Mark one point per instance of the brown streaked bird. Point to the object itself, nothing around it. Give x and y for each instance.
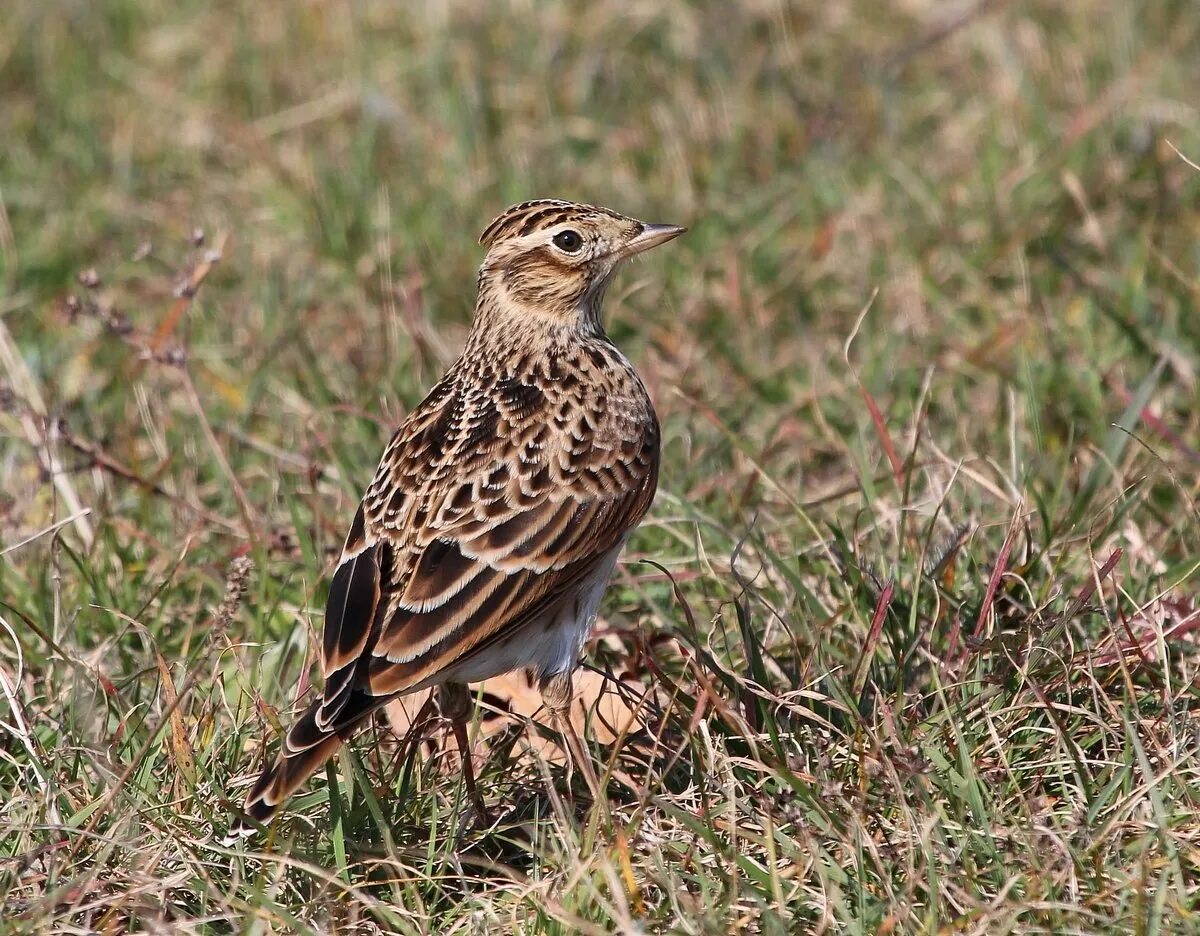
(490, 531)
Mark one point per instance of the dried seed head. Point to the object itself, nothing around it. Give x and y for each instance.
(174, 356)
(118, 323)
(237, 577)
(71, 308)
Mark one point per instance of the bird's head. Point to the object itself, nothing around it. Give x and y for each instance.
(555, 258)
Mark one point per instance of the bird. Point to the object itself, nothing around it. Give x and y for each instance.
(493, 523)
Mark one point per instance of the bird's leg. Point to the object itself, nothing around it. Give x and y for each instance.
(557, 692)
(417, 725)
(455, 702)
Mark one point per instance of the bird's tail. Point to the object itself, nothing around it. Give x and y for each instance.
(305, 748)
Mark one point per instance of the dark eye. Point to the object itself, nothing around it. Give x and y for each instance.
(569, 241)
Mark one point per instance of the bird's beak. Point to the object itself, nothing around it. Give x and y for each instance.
(651, 235)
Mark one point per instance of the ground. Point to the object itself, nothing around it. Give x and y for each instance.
(914, 612)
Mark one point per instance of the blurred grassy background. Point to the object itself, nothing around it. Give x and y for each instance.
(924, 597)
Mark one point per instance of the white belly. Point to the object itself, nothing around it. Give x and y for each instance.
(548, 644)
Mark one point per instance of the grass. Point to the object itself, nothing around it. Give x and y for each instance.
(918, 596)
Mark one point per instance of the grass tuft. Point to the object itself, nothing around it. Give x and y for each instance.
(916, 609)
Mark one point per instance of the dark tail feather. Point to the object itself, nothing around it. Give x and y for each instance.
(305, 749)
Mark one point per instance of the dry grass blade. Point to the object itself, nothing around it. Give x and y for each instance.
(885, 437)
(186, 291)
(863, 667)
(33, 420)
(998, 569)
(181, 749)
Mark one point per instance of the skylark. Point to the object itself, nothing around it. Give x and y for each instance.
(490, 531)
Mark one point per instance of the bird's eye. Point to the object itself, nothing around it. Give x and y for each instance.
(568, 241)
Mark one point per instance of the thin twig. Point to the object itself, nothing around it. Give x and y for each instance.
(101, 459)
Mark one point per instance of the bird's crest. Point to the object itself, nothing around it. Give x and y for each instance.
(528, 216)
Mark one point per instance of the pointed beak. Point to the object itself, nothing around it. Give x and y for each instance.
(651, 235)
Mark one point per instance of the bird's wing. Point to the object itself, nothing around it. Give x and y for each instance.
(477, 522)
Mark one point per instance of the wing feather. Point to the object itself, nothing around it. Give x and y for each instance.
(462, 541)
(515, 607)
(353, 597)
